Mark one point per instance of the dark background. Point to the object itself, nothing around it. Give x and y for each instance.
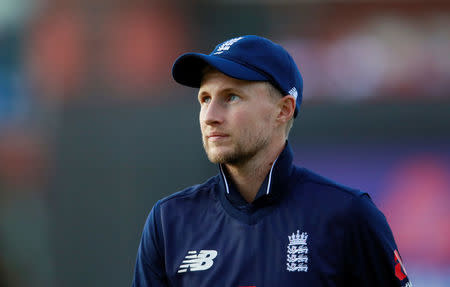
(93, 130)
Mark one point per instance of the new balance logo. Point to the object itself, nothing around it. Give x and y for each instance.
(198, 262)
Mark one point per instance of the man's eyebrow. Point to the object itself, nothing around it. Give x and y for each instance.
(227, 90)
(202, 93)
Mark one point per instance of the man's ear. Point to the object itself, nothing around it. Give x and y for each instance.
(286, 108)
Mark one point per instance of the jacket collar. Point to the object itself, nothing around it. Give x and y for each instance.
(270, 190)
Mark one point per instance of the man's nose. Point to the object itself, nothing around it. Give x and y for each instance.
(213, 113)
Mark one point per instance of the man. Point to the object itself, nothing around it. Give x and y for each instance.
(261, 221)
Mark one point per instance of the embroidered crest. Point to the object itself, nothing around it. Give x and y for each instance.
(297, 252)
(226, 46)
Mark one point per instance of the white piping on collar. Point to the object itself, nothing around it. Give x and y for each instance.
(270, 177)
(268, 184)
(225, 178)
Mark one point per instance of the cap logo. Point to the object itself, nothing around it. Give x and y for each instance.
(226, 45)
(293, 92)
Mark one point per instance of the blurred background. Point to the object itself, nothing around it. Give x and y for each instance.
(93, 130)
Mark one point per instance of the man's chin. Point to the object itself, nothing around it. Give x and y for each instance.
(231, 158)
(217, 157)
(227, 155)
(220, 155)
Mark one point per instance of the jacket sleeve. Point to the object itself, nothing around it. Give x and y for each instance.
(372, 257)
(150, 267)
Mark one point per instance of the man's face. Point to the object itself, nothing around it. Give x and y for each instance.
(237, 118)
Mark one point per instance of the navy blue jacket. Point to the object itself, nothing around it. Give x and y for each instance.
(301, 230)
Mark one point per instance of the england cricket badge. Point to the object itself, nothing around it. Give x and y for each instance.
(297, 252)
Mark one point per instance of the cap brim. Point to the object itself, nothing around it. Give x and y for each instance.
(188, 69)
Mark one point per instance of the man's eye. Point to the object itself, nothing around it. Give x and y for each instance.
(205, 99)
(233, 97)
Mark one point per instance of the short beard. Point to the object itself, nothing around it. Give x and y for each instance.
(240, 155)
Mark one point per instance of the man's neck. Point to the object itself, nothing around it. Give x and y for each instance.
(249, 176)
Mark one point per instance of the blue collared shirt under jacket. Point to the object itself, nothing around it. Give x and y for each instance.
(301, 230)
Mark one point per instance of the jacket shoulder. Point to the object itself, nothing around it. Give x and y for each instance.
(191, 192)
(325, 184)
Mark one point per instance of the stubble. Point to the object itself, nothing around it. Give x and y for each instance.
(241, 152)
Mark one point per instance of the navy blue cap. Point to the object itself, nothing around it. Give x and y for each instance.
(251, 58)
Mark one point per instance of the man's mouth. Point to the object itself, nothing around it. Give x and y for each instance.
(216, 136)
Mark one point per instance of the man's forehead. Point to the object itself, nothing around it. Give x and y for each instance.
(217, 82)
(209, 69)
(217, 87)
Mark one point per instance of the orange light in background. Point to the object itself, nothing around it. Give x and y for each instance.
(141, 44)
(56, 53)
(416, 206)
